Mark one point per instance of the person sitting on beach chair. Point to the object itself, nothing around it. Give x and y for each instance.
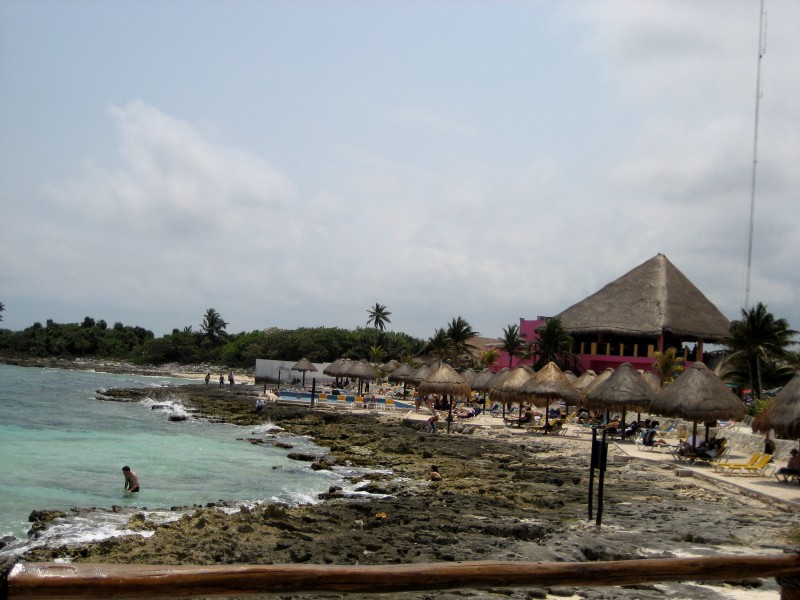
(526, 417)
(792, 468)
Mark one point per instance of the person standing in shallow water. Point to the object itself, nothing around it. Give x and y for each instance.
(221, 380)
(208, 377)
(131, 480)
(230, 377)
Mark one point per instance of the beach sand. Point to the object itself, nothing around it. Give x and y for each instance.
(504, 496)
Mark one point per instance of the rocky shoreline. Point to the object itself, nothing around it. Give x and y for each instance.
(503, 497)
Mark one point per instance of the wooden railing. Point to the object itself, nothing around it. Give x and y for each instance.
(84, 580)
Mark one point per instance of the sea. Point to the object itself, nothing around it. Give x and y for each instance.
(62, 446)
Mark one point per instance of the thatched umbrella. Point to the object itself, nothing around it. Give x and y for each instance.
(571, 377)
(550, 384)
(783, 413)
(509, 389)
(479, 383)
(338, 368)
(698, 395)
(597, 381)
(584, 380)
(403, 373)
(304, 365)
(468, 375)
(422, 372)
(653, 380)
(445, 380)
(625, 389)
(390, 367)
(362, 369)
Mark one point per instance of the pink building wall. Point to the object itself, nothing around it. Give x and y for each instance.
(598, 364)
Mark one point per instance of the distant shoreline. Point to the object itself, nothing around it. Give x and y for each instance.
(192, 371)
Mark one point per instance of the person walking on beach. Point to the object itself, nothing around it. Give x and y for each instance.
(131, 480)
(221, 380)
(208, 377)
(230, 377)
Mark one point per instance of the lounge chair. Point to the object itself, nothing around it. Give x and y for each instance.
(755, 470)
(496, 411)
(552, 426)
(718, 466)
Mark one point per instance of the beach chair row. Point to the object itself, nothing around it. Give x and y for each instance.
(358, 402)
(758, 465)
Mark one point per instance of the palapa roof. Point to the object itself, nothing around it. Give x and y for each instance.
(550, 383)
(698, 395)
(511, 387)
(338, 368)
(624, 389)
(582, 382)
(481, 380)
(653, 297)
(304, 365)
(402, 373)
(444, 380)
(597, 380)
(783, 413)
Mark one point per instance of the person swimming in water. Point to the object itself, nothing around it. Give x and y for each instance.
(131, 480)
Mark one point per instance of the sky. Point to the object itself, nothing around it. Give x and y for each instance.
(291, 164)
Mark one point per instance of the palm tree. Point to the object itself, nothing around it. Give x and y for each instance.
(512, 342)
(756, 341)
(213, 327)
(489, 357)
(460, 332)
(668, 365)
(440, 344)
(553, 344)
(376, 354)
(378, 316)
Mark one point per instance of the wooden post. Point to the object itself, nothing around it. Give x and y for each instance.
(35, 581)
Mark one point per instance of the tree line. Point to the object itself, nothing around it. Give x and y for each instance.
(757, 349)
(209, 343)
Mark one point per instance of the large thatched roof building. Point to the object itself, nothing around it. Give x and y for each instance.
(650, 308)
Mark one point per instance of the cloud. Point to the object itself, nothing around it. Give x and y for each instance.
(173, 181)
(448, 205)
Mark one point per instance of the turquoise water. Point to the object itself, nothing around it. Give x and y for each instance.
(61, 447)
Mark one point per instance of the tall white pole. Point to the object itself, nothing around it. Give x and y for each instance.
(762, 48)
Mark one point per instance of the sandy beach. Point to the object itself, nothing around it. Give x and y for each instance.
(505, 495)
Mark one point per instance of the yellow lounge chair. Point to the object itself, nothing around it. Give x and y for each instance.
(750, 462)
(756, 469)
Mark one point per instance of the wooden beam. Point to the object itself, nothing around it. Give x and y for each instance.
(84, 580)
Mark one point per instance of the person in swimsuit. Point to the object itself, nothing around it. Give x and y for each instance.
(131, 480)
(434, 475)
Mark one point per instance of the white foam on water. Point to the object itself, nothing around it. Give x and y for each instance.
(266, 428)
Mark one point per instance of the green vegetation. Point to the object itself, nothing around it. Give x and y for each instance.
(513, 343)
(758, 350)
(212, 344)
(668, 365)
(554, 344)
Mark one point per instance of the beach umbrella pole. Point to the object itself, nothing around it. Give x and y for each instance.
(601, 479)
(592, 464)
